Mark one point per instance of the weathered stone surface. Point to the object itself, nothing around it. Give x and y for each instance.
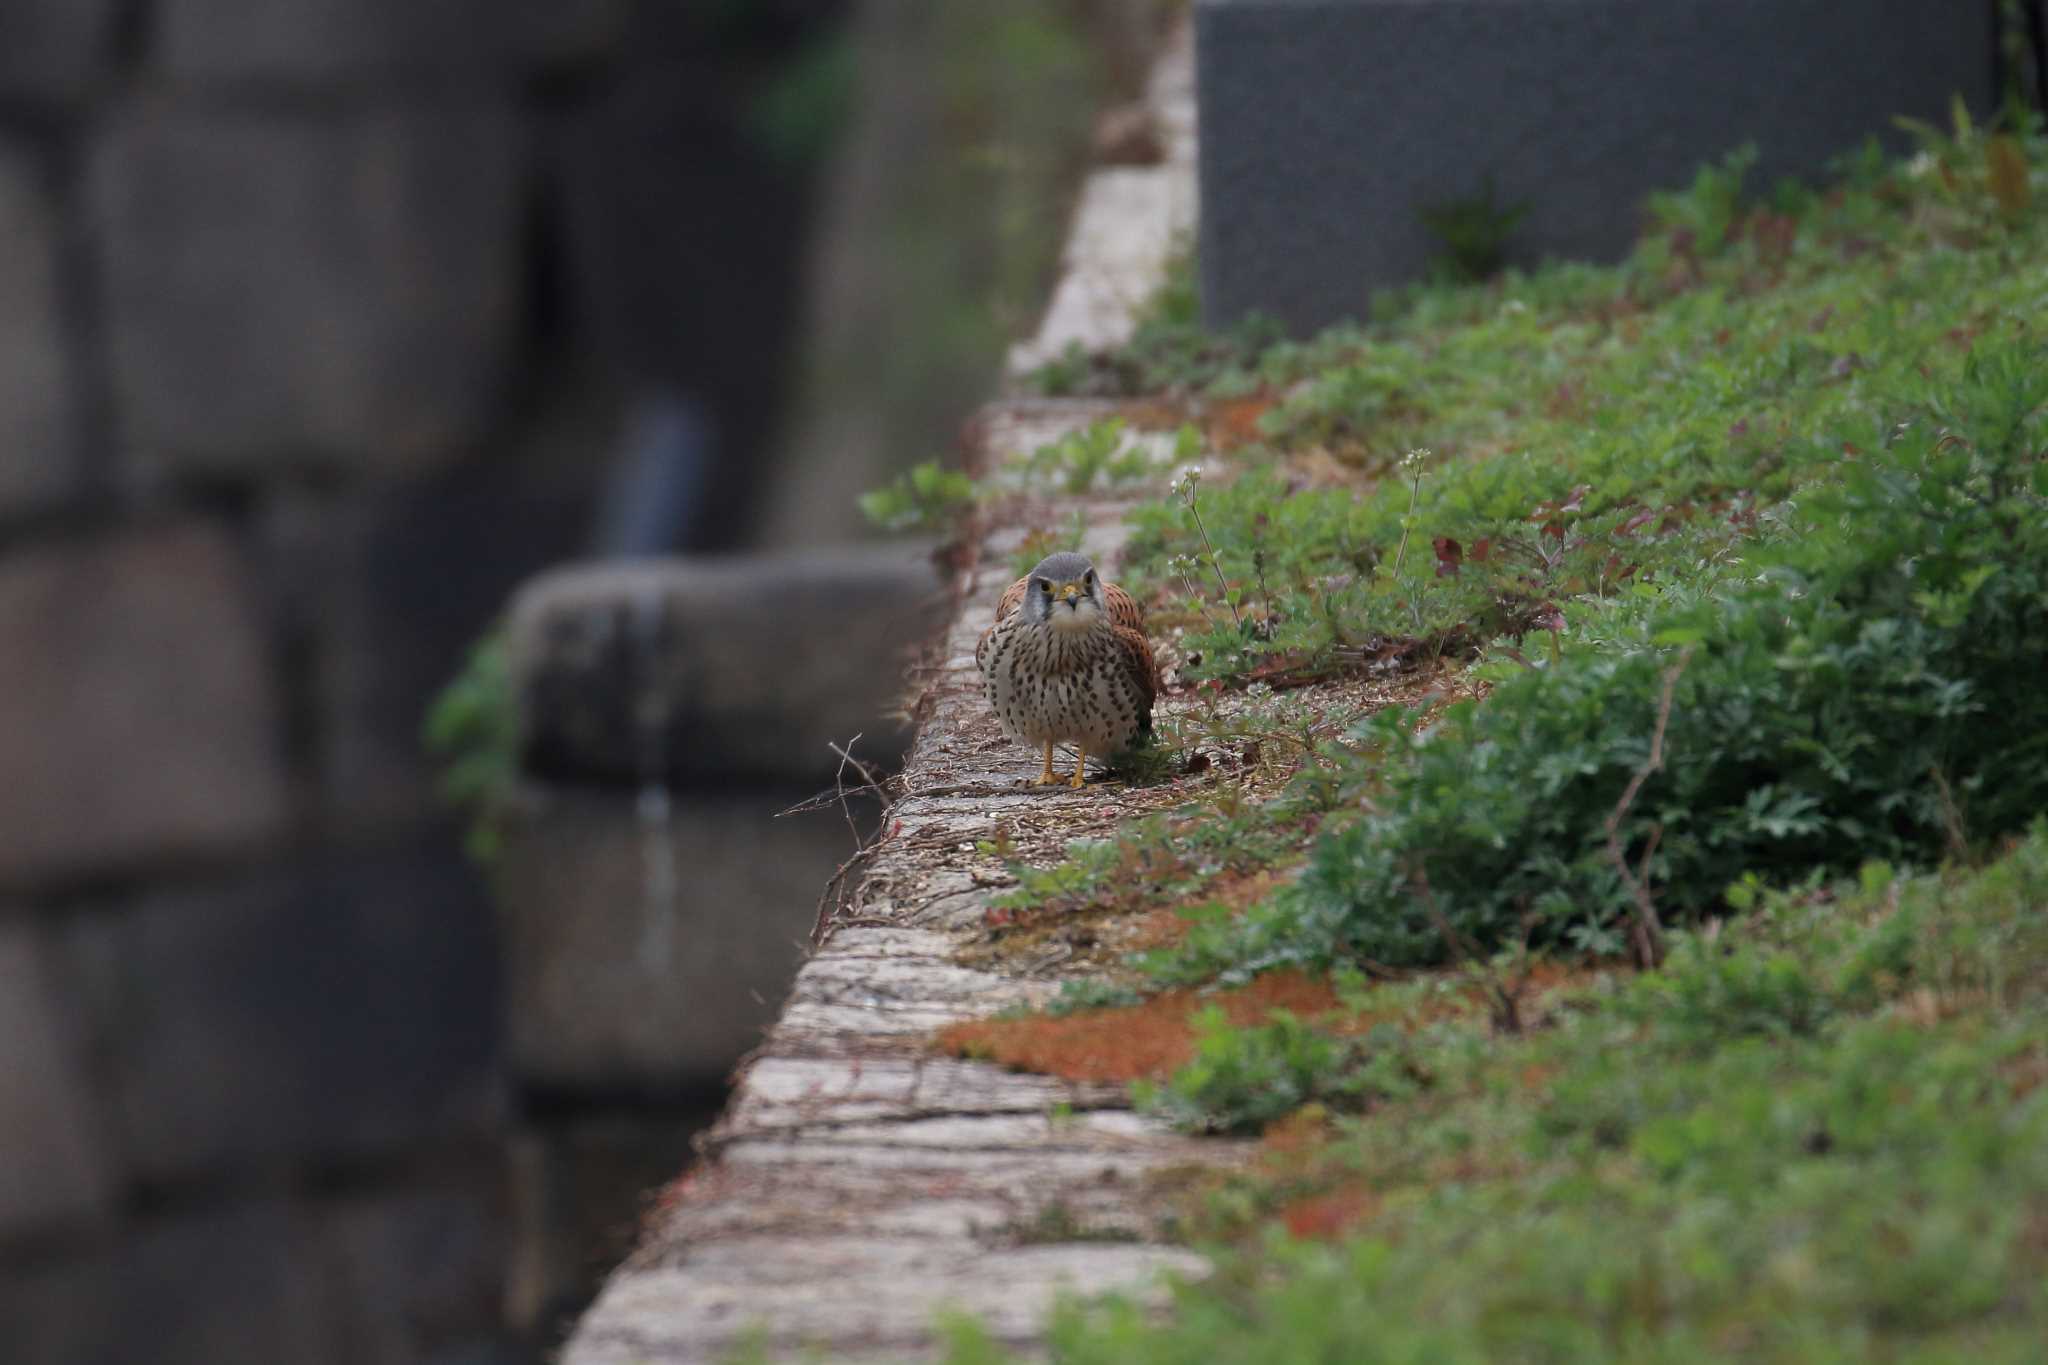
(327, 288)
(650, 938)
(35, 415)
(238, 1284)
(719, 668)
(860, 1184)
(54, 49)
(1137, 209)
(861, 1297)
(57, 1169)
(341, 1010)
(139, 720)
(569, 1183)
(360, 40)
(1327, 125)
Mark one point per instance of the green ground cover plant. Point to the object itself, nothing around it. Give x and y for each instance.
(1861, 684)
(1773, 497)
(1853, 563)
(1818, 1133)
(1590, 429)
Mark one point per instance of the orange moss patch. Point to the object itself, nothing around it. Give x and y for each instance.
(1152, 1039)
(1234, 422)
(1235, 891)
(1329, 1215)
(1130, 1042)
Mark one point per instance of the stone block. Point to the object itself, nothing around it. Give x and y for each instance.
(35, 394)
(1327, 125)
(325, 1014)
(367, 40)
(335, 287)
(139, 721)
(54, 49)
(237, 1284)
(719, 669)
(581, 1192)
(350, 41)
(56, 1170)
(418, 1271)
(380, 593)
(650, 939)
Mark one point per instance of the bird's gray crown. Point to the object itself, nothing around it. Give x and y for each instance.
(1064, 567)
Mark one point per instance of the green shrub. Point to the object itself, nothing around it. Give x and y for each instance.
(926, 497)
(1868, 689)
(472, 729)
(1244, 1078)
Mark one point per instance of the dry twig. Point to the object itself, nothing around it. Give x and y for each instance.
(835, 895)
(1505, 997)
(1645, 930)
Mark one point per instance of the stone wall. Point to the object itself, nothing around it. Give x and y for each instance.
(315, 316)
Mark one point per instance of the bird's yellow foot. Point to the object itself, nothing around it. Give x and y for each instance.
(1080, 762)
(1048, 777)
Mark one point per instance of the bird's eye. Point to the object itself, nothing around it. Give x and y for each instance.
(1045, 585)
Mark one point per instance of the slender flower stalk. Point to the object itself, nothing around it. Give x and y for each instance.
(1187, 486)
(1413, 461)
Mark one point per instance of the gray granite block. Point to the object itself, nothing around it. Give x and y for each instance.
(58, 1170)
(1327, 125)
(649, 938)
(35, 379)
(334, 1012)
(141, 723)
(54, 49)
(323, 287)
(719, 669)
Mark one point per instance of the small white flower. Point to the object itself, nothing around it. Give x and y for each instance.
(1416, 458)
(1921, 166)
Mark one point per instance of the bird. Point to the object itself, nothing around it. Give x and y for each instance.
(1067, 662)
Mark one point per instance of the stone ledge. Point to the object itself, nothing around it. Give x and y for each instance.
(858, 1183)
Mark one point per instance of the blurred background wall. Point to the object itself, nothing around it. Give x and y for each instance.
(323, 324)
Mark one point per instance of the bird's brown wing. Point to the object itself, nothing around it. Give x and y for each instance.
(1124, 611)
(1134, 652)
(1012, 598)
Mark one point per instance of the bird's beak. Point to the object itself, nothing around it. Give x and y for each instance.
(1070, 593)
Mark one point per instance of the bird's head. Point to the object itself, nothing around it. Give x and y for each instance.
(1064, 592)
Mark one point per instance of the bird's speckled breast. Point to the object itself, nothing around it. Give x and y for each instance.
(1065, 688)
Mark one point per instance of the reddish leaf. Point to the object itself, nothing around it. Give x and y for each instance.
(1739, 430)
(1578, 496)
(1449, 555)
(1481, 548)
(1638, 522)
(1548, 617)
(1850, 450)
(1554, 529)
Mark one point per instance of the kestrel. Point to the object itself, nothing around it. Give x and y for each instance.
(1067, 662)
